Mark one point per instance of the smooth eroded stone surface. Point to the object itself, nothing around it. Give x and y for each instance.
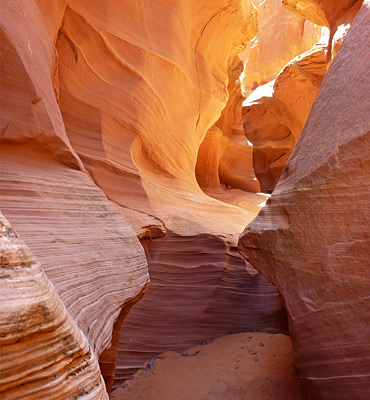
(281, 36)
(137, 108)
(275, 113)
(251, 365)
(44, 355)
(200, 288)
(87, 249)
(312, 239)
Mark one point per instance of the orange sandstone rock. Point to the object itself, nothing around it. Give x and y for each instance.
(225, 157)
(312, 239)
(87, 249)
(109, 102)
(281, 36)
(274, 114)
(137, 107)
(331, 14)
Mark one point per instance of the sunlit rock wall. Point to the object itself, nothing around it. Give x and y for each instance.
(105, 110)
(275, 113)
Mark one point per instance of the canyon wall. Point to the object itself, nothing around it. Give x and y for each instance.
(43, 354)
(276, 112)
(137, 108)
(87, 249)
(312, 241)
(105, 107)
(122, 120)
(281, 36)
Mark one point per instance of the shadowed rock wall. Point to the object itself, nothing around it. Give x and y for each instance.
(312, 239)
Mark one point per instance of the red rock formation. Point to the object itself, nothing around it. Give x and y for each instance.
(43, 354)
(274, 114)
(101, 104)
(312, 239)
(87, 249)
(281, 37)
(138, 136)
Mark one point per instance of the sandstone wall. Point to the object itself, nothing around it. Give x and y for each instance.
(110, 102)
(88, 250)
(43, 354)
(275, 113)
(312, 239)
(137, 108)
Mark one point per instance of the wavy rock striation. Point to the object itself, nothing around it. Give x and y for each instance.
(100, 105)
(44, 355)
(311, 240)
(137, 108)
(200, 288)
(87, 249)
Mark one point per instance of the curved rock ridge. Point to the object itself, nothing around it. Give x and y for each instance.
(87, 249)
(331, 14)
(137, 108)
(312, 239)
(281, 36)
(44, 355)
(275, 113)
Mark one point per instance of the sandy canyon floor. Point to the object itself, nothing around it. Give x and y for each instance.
(250, 365)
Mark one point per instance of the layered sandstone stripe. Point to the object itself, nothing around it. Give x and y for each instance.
(44, 354)
(140, 85)
(87, 249)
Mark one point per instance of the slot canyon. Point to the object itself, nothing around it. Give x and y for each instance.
(185, 199)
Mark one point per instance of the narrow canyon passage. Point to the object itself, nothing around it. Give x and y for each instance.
(139, 140)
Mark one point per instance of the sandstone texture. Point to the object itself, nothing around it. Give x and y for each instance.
(276, 112)
(108, 109)
(243, 366)
(44, 354)
(87, 249)
(142, 140)
(281, 36)
(312, 238)
(128, 150)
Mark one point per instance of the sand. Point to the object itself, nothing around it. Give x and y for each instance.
(251, 365)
